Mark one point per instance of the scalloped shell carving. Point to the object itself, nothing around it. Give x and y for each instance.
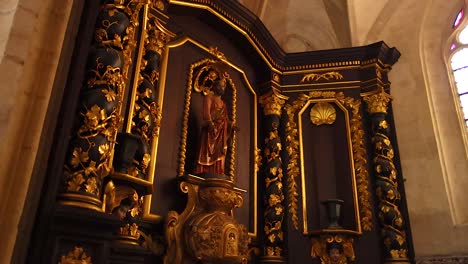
(322, 113)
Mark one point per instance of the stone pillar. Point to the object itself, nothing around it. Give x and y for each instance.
(274, 209)
(386, 181)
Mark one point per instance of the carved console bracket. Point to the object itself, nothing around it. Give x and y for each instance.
(206, 230)
(333, 248)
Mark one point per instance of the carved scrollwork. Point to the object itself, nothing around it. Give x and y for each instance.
(326, 76)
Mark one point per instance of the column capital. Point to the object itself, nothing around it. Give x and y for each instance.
(272, 102)
(378, 102)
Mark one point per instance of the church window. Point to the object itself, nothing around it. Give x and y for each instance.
(458, 19)
(459, 64)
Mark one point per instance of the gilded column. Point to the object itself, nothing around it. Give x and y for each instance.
(90, 151)
(274, 209)
(389, 198)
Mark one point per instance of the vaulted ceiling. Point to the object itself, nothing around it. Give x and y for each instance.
(304, 25)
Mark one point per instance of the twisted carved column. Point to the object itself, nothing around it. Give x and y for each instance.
(389, 198)
(274, 209)
(91, 148)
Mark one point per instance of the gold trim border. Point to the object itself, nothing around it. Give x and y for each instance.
(351, 159)
(356, 148)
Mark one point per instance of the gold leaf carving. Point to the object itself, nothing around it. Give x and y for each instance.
(326, 76)
(272, 104)
(76, 256)
(333, 249)
(378, 103)
(322, 113)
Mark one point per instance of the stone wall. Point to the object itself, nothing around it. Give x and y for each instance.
(32, 43)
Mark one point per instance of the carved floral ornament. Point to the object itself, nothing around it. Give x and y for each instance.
(359, 153)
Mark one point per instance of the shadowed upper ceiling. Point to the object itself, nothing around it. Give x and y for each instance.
(305, 25)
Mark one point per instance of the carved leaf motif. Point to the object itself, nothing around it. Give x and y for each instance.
(94, 115)
(91, 185)
(74, 184)
(109, 94)
(326, 76)
(91, 169)
(79, 156)
(104, 151)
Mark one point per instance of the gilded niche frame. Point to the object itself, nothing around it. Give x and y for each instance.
(357, 153)
(195, 71)
(216, 56)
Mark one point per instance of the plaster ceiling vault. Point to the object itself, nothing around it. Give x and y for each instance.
(305, 25)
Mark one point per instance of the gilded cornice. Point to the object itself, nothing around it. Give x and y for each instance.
(378, 54)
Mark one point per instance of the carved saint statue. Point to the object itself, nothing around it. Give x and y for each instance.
(215, 131)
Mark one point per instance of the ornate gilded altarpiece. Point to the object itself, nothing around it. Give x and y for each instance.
(305, 170)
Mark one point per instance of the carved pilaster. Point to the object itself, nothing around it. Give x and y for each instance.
(273, 173)
(389, 198)
(91, 149)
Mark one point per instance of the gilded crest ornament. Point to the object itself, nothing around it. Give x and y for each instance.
(322, 113)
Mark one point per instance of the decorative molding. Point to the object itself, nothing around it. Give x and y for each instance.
(442, 260)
